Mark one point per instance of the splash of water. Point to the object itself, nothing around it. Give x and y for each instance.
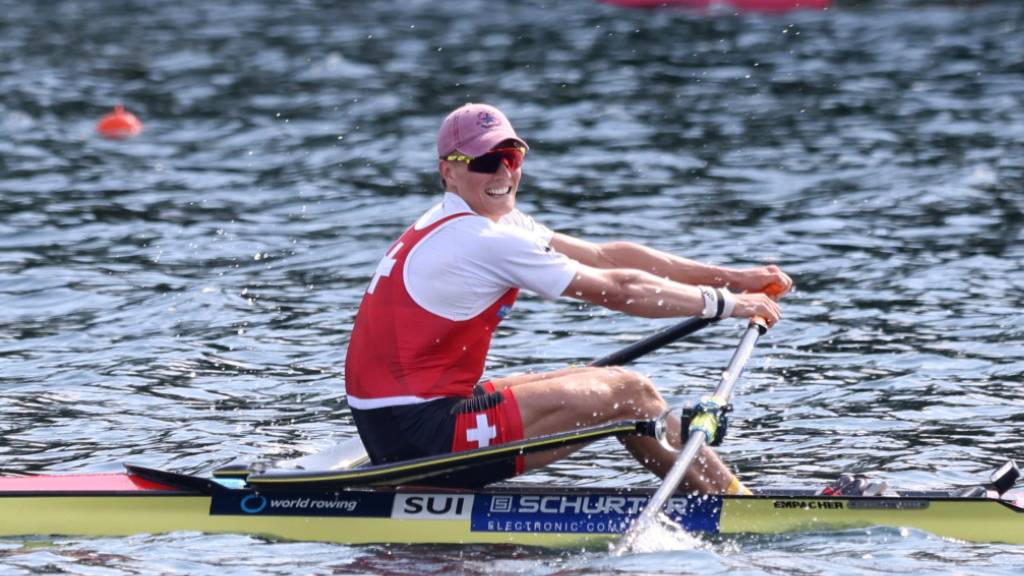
(660, 534)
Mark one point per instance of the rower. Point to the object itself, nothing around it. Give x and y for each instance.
(423, 330)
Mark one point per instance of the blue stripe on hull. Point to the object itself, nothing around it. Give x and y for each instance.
(584, 514)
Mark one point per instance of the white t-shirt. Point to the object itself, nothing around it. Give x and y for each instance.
(466, 264)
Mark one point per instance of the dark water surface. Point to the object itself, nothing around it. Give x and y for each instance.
(185, 297)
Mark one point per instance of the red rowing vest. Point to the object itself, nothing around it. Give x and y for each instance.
(401, 353)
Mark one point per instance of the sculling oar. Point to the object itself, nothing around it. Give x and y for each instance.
(702, 430)
(653, 342)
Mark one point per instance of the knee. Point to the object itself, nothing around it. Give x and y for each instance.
(635, 394)
(630, 379)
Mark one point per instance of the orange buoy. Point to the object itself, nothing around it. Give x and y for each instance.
(119, 124)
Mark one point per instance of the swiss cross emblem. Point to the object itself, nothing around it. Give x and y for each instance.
(384, 267)
(483, 433)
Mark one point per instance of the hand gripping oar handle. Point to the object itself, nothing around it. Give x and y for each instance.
(702, 430)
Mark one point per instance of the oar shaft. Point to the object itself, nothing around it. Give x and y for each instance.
(696, 441)
(671, 480)
(739, 359)
(653, 342)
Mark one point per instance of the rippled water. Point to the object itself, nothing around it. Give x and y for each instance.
(185, 297)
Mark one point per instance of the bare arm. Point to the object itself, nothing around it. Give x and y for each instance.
(629, 255)
(641, 293)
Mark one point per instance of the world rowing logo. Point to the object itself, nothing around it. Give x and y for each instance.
(503, 310)
(253, 504)
(487, 120)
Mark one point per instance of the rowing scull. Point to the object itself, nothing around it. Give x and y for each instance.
(151, 501)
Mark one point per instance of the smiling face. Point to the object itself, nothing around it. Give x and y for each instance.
(489, 195)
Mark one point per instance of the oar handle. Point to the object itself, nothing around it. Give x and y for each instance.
(773, 290)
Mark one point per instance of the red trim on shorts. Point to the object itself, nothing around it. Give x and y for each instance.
(515, 422)
(505, 418)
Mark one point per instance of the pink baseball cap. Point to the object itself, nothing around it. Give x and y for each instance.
(474, 129)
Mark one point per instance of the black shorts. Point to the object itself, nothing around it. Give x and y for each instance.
(397, 433)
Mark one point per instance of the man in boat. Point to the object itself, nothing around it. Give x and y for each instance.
(424, 326)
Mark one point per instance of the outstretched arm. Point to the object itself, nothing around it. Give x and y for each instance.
(629, 255)
(641, 293)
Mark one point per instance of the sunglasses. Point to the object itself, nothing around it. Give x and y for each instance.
(489, 163)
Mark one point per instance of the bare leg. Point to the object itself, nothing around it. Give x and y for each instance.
(574, 397)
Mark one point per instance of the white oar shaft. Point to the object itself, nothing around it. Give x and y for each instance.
(739, 360)
(695, 441)
(670, 482)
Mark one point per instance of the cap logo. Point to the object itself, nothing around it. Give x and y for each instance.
(487, 120)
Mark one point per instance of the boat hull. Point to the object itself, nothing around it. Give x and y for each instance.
(534, 516)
